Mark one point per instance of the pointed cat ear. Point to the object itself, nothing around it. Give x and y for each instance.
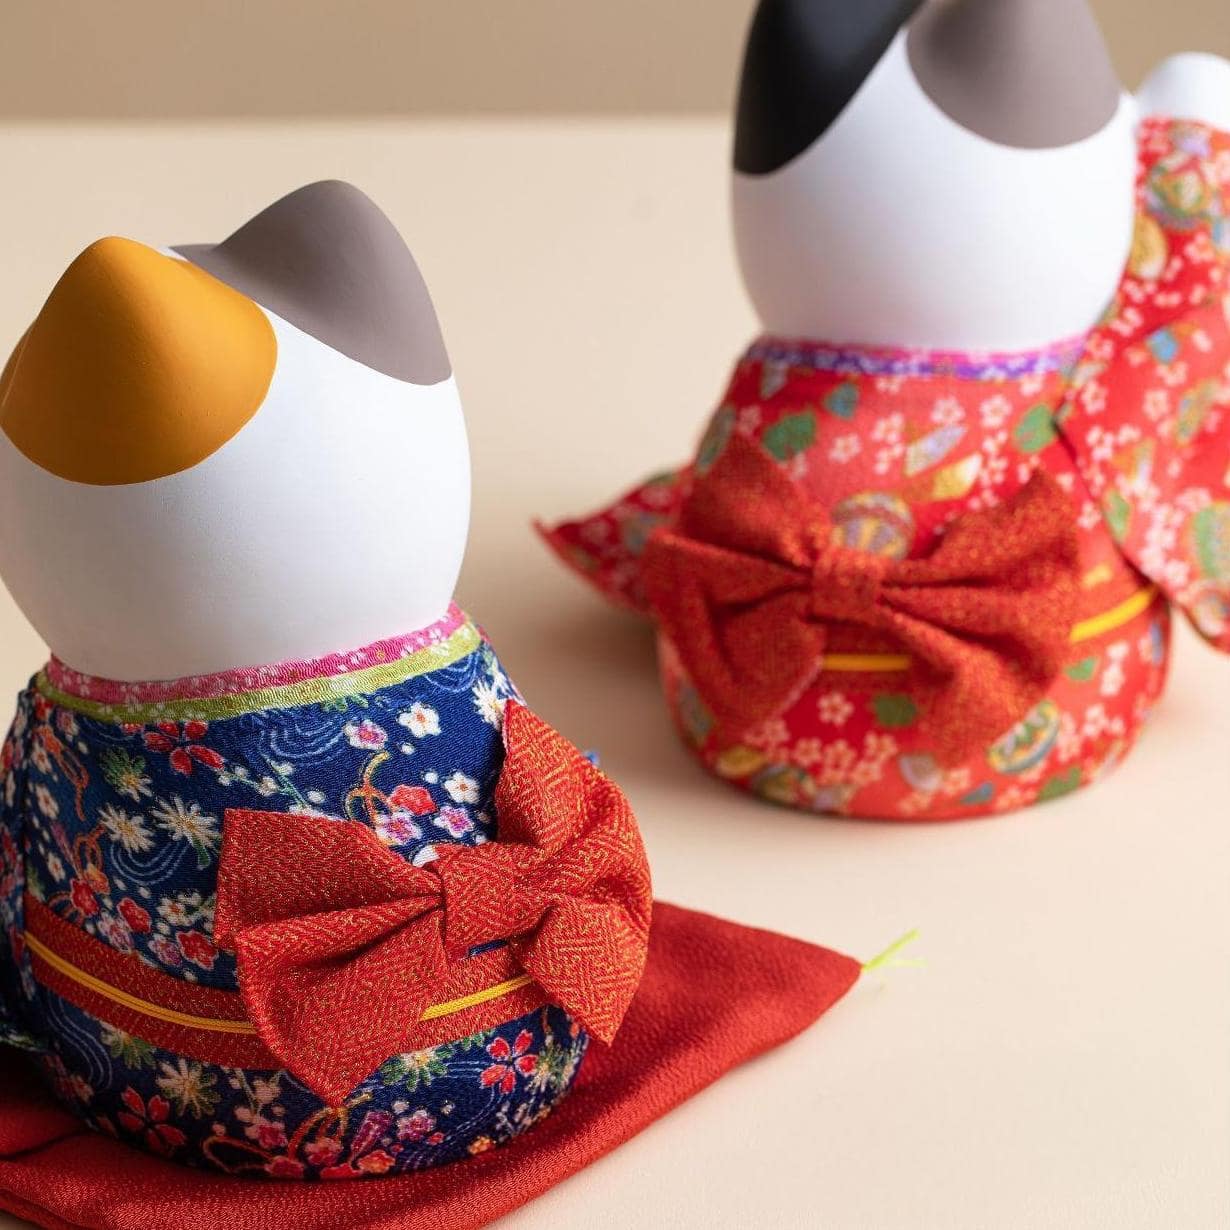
(1190, 86)
(805, 61)
(1030, 74)
(329, 261)
(119, 379)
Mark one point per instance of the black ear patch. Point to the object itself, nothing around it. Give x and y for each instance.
(805, 60)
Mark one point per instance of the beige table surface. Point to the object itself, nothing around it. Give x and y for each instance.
(1064, 1058)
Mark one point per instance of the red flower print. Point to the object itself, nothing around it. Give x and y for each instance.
(285, 1168)
(414, 799)
(414, 1127)
(378, 1162)
(135, 916)
(82, 896)
(151, 1121)
(510, 1061)
(183, 745)
(340, 1172)
(8, 864)
(323, 1152)
(95, 878)
(268, 1133)
(197, 947)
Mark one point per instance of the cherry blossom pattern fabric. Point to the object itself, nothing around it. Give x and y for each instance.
(888, 451)
(115, 802)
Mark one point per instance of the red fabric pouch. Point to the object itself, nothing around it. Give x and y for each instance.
(714, 995)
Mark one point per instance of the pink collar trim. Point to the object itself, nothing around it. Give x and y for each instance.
(253, 678)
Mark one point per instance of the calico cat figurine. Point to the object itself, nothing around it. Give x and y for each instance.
(923, 561)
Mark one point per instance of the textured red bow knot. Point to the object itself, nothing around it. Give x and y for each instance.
(341, 944)
(748, 586)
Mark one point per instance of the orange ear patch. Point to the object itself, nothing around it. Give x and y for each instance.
(138, 366)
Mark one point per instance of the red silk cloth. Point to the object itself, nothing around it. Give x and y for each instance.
(748, 580)
(713, 995)
(341, 945)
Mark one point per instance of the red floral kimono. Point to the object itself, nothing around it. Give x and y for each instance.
(931, 585)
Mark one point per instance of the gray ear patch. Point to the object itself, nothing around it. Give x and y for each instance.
(327, 259)
(1031, 74)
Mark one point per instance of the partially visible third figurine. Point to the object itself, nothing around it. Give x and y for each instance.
(922, 564)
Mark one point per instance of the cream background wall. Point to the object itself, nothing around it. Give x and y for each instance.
(1061, 1063)
(184, 58)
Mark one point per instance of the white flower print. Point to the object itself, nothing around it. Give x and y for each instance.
(174, 911)
(420, 720)
(366, 735)
(399, 829)
(490, 704)
(46, 802)
(40, 759)
(185, 909)
(1114, 676)
(1093, 397)
(1157, 404)
(461, 789)
(186, 822)
(56, 866)
(1090, 516)
(834, 708)
(845, 448)
(454, 820)
(995, 411)
(888, 429)
(187, 1085)
(126, 828)
(948, 412)
(426, 854)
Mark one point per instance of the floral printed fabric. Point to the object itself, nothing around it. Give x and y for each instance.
(118, 814)
(15, 980)
(1148, 414)
(894, 446)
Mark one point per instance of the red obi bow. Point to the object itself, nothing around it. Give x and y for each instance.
(341, 944)
(748, 583)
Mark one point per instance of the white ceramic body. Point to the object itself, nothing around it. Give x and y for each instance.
(337, 516)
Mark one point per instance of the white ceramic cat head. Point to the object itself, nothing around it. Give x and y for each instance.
(954, 175)
(237, 454)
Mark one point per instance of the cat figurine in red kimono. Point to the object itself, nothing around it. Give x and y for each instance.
(923, 562)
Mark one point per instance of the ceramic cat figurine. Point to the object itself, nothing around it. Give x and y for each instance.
(283, 888)
(923, 562)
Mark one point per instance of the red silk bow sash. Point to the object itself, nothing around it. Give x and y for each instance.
(341, 944)
(748, 584)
